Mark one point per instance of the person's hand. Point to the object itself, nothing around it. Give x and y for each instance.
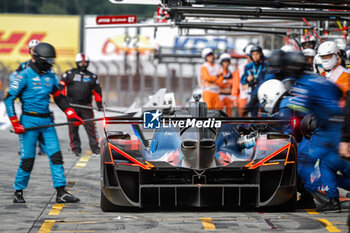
(17, 127)
(344, 149)
(72, 115)
(250, 78)
(99, 106)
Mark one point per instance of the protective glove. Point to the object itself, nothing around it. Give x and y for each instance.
(99, 106)
(72, 115)
(19, 129)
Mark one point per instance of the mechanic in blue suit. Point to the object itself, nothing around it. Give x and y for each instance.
(274, 98)
(254, 75)
(314, 94)
(33, 86)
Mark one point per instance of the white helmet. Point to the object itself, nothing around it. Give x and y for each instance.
(287, 48)
(328, 47)
(267, 52)
(247, 49)
(33, 43)
(269, 94)
(81, 57)
(224, 56)
(206, 52)
(307, 38)
(309, 52)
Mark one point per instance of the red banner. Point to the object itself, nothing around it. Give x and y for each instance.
(116, 19)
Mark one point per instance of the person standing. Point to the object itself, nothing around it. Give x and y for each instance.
(225, 97)
(331, 63)
(33, 86)
(209, 79)
(254, 76)
(80, 85)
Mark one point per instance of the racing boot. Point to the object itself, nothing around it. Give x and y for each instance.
(306, 201)
(19, 197)
(332, 206)
(65, 197)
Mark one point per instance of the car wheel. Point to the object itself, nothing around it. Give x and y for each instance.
(290, 205)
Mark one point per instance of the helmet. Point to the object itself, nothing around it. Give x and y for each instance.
(308, 125)
(269, 94)
(307, 38)
(287, 48)
(288, 83)
(33, 43)
(277, 59)
(224, 57)
(82, 57)
(255, 48)
(296, 64)
(206, 52)
(267, 52)
(308, 41)
(309, 52)
(44, 55)
(328, 47)
(246, 50)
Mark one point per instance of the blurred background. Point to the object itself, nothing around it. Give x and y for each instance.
(131, 63)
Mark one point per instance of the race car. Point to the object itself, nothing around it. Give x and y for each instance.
(184, 165)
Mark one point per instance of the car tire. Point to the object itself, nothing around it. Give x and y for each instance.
(290, 205)
(106, 205)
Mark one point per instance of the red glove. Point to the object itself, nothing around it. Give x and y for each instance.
(72, 115)
(19, 129)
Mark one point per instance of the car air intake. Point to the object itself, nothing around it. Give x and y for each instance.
(199, 155)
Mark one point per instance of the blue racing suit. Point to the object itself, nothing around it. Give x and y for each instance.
(258, 71)
(313, 93)
(305, 161)
(34, 91)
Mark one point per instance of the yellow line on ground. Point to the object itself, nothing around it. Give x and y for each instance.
(56, 209)
(329, 226)
(47, 226)
(208, 224)
(80, 165)
(311, 211)
(75, 231)
(84, 159)
(76, 222)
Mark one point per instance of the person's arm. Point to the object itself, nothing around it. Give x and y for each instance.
(63, 104)
(63, 83)
(206, 76)
(17, 84)
(97, 92)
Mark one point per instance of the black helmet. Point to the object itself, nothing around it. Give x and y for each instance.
(296, 64)
(308, 125)
(256, 48)
(44, 55)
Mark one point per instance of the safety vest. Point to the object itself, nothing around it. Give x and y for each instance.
(208, 77)
(341, 77)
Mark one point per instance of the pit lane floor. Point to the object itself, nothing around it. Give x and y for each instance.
(41, 214)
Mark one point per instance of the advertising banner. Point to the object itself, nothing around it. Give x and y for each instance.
(107, 44)
(17, 30)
